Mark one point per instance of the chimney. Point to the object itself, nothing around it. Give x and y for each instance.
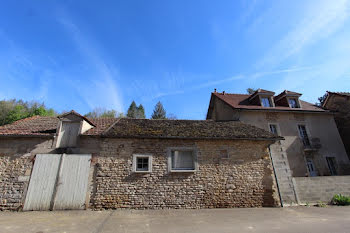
(214, 90)
(223, 92)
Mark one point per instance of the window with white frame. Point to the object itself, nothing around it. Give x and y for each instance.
(293, 103)
(266, 102)
(304, 135)
(273, 128)
(182, 160)
(332, 165)
(142, 163)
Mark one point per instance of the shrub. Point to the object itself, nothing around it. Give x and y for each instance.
(321, 204)
(339, 199)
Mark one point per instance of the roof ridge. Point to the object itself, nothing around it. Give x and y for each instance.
(229, 93)
(148, 119)
(24, 119)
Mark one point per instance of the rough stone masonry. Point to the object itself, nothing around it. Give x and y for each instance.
(243, 179)
(240, 177)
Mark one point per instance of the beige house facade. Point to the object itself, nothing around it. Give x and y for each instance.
(312, 145)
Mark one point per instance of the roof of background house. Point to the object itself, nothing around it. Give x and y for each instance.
(46, 126)
(240, 101)
(325, 102)
(340, 93)
(186, 129)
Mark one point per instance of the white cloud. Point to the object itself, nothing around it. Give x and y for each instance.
(98, 89)
(319, 20)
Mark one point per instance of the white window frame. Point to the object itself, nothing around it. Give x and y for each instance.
(307, 131)
(335, 165)
(195, 154)
(277, 128)
(270, 101)
(297, 102)
(134, 162)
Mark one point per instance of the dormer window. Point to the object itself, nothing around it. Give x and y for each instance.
(71, 125)
(288, 99)
(262, 98)
(293, 103)
(266, 102)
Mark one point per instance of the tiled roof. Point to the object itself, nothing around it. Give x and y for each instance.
(35, 125)
(286, 92)
(240, 101)
(186, 129)
(340, 93)
(143, 128)
(101, 125)
(46, 126)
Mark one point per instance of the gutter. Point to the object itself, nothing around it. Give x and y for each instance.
(281, 110)
(25, 136)
(190, 138)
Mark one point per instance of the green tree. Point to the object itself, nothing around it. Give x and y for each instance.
(159, 111)
(17, 113)
(322, 99)
(251, 90)
(132, 110)
(103, 113)
(13, 110)
(140, 114)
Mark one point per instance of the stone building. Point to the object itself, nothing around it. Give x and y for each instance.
(312, 145)
(72, 162)
(339, 103)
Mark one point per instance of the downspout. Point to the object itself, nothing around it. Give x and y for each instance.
(274, 172)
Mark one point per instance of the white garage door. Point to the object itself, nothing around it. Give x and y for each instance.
(58, 182)
(42, 182)
(73, 182)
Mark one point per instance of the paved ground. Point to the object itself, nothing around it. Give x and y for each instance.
(269, 220)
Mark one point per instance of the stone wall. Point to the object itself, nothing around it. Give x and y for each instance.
(321, 188)
(244, 179)
(283, 174)
(14, 179)
(16, 162)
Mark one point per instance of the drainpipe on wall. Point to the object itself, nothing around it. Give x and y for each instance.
(274, 172)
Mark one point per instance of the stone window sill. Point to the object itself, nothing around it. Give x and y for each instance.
(183, 171)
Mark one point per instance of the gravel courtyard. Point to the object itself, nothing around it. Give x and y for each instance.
(292, 219)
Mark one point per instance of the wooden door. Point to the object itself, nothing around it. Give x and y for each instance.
(58, 182)
(72, 183)
(42, 182)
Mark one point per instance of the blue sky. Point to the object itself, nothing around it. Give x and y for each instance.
(86, 54)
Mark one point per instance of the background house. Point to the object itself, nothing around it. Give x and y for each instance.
(72, 162)
(339, 103)
(312, 145)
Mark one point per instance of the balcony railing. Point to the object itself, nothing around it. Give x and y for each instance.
(313, 144)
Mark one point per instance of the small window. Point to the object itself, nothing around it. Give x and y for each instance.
(293, 103)
(331, 165)
(303, 135)
(142, 163)
(182, 160)
(266, 102)
(310, 167)
(273, 129)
